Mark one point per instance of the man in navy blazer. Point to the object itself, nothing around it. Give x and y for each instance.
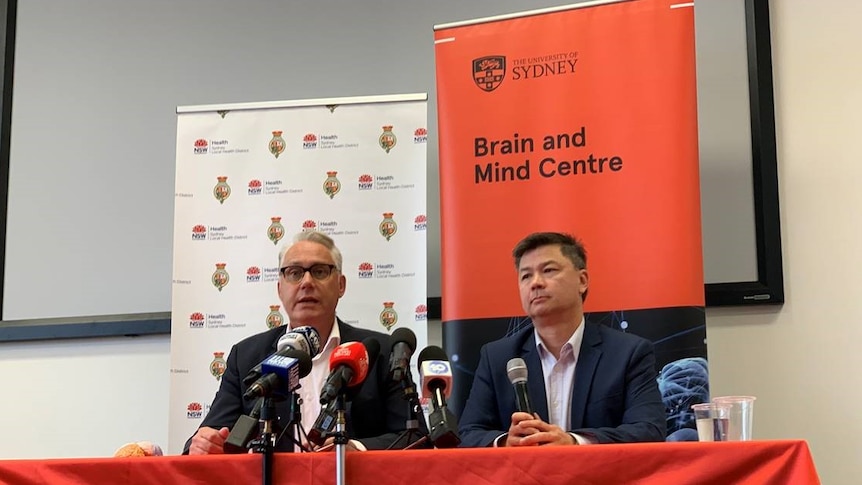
(587, 383)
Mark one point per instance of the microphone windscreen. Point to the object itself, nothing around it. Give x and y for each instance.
(432, 352)
(435, 374)
(404, 335)
(305, 338)
(516, 369)
(353, 355)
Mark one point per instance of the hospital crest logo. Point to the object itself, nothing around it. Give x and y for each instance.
(274, 318)
(388, 227)
(331, 185)
(221, 191)
(387, 140)
(275, 231)
(388, 317)
(220, 277)
(218, 365)
(276, 144)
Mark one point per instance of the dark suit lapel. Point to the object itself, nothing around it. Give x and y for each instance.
(588, 360)
(535, 377)
(348, 333)
(276, 337)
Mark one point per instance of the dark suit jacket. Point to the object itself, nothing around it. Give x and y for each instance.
(375, 415)
(615, 397)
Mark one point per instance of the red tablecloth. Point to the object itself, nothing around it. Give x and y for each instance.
(753, 462)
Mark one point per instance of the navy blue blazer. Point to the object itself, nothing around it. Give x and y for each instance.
(376, 415)
(615, 397)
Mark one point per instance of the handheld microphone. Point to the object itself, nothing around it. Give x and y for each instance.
(435, 373)
(516, 369)
(281, 371)
(305, 339)
(325, 422)
(348, 367)
(404, 343)
(244, 430)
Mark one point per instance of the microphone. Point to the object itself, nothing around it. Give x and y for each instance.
(305, 339)
(244, 430)
(323, 425)
(281, 371)
(348, 367)
(436, 376)
(325, 422)
(404, 343)
(516, 369)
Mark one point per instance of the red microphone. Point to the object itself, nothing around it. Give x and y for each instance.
(348, 366)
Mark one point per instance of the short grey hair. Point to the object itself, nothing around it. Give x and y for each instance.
(315, 237)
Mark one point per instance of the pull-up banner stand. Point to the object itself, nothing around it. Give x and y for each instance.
(578, 119)
(249, 177)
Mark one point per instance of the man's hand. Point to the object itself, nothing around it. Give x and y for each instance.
(527, 430)
(329, 445)
(208, 441)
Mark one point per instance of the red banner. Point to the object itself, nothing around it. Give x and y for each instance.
(582, 121)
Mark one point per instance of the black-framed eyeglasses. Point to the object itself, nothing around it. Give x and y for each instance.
(318, 271)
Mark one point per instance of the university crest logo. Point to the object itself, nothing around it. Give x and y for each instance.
(489, 72)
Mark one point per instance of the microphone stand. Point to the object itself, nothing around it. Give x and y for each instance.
(268, 439)
(297, 432)
(414, 414)
(266, 443)
(340, 439)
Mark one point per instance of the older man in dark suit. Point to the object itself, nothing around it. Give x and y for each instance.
(587, 383)
(310, 286)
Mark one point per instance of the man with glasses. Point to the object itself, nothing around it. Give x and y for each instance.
(310, 285)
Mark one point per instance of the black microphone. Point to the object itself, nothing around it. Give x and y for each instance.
(404, 343)
(281, 372)
(435, 372)
(516, 369)
(244, 430)
(325, 422)
(304, 338)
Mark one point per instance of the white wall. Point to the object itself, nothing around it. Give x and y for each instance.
(801, 360)
(76, 398)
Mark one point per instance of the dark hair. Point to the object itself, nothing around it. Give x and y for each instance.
(570, 246)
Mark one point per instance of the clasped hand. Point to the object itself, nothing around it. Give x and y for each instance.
(530, 430)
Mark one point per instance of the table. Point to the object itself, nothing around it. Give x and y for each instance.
(752, 462)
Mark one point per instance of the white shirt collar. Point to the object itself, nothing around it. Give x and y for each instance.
(333, 341)
(574, 341)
